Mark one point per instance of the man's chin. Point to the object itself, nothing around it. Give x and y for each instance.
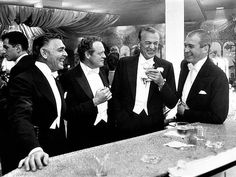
(61, 67)
(149, 56)
(188, 59)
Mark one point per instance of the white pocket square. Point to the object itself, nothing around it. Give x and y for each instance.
(160, 69)
(202, 92)
(65, 94)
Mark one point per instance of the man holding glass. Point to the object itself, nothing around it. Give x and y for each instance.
(142, 86)
(87, 97)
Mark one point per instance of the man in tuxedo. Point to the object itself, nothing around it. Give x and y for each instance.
(88, 93)
(203, 87)
(15, 46)
(143, 84)
(36, 107)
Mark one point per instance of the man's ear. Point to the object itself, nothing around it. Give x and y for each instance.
(87, 54)
(18, 48)
(206, 48)
(44, 53)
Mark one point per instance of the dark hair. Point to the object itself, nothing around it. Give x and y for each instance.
(148, 29)
(112, 60)
(114, 48)
(205, 38)
(16, 37)
(86, 45)
(135, 50)
(41, 40)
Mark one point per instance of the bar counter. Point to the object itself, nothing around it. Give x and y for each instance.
(126, 158)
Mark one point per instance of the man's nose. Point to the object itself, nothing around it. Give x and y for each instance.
(65, 53)
(186, 49)
(103, 55)
(152, 46)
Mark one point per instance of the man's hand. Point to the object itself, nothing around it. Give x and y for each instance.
(34, 161)
(156, 76)
(182, 107)
(102, 95)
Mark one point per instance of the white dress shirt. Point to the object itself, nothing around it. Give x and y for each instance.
(49, 76)
(191, 77)
(95, 83)
(7, 65)
(143, 85)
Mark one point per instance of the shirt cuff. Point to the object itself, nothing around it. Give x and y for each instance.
(35, 149)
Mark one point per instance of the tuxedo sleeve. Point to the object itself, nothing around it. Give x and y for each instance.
(20, 115)
(168, 91)
(116, 112)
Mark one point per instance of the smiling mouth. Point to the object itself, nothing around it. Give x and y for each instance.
(187, 55)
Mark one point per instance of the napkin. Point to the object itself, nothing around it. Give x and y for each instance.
(204, 165)
(177, 144)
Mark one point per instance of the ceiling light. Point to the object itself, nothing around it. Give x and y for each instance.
(219, 8)
(85, 6)
(38, 4)
(98, 11)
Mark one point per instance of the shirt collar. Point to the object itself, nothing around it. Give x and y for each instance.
(143, 61)
(88, 70)
(44, 68)
(19, 58)
(199, 64)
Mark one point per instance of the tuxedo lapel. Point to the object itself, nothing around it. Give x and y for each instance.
(63, 107)
(102, 74)
(157, 63)
(152, 84)
(182, 77)
(203, 72)
(43, 86)
(82, 81)
(131, 69)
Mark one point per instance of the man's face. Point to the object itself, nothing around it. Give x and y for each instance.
(10, 51)
(149, 44)
(96, 59)
(193, 52)
(56, 54)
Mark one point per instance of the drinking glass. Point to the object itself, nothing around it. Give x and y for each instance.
(100, 168)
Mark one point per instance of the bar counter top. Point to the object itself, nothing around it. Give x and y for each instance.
(126, 158)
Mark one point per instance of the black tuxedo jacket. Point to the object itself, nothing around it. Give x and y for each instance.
(25, 63)
(31, 104)
(82, 113)
(123, 98)
(208, 97)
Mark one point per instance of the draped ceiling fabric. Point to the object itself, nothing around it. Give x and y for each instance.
(67, 23)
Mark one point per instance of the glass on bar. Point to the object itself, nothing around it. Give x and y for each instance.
(100, 167)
